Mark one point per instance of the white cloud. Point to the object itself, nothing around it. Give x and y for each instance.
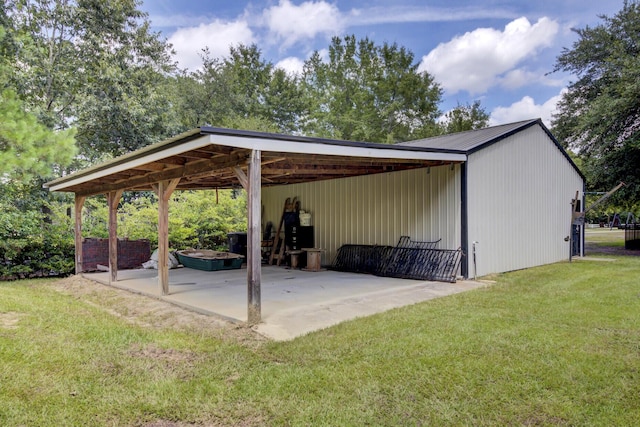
(476, 60)
(400, 14)
(291, 23)
(217, 36)
(525, 109)
(518, 78)
(291, 65)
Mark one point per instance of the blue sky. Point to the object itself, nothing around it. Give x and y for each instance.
(496, 51)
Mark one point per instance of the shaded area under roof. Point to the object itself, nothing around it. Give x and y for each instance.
(208, 158)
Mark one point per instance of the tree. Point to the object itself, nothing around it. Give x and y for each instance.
(242, 91)
(201, 96)
(284, 101)
(599, 115)
(369, 93)
(95, 65)
(465, 117)
(27, 147)
(89, 65)
(30, 243)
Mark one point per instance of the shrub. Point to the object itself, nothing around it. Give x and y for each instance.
(199, 219)
(37, 244)
(33, 244)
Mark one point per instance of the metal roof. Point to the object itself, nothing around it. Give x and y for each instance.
(473, 140)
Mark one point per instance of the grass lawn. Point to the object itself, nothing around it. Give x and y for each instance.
(605, 237)
(554, 345)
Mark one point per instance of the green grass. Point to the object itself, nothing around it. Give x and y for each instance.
(605, 237)
(554, 345)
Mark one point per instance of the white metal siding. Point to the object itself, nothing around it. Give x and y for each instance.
(519, 195)
(376, 209)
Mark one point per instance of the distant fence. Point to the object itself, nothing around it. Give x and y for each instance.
(632, 237)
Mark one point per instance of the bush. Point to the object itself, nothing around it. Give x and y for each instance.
(198, 219)
(33, 244)
(37, 244)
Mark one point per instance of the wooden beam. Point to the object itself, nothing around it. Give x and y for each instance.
(79, 203)
(153, 167)
(254, 258)
(322, 171)
(242, 177)
(113, 198)
(164, 189)
(194, 168)
(274, 160)
(173, 184)
(176, 160)
(197, 154)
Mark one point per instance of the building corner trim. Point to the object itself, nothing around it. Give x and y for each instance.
(464, 226)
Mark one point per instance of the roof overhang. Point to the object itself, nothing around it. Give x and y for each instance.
(208, 157)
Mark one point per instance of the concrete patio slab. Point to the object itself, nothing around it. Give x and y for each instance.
(294, 302)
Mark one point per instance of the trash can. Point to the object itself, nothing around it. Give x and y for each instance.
(238, 243)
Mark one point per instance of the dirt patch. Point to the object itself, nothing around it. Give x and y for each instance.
(247, 422)
(153, 313)
(544, 420)
(167, 424)
(165, 354)
(10, 319)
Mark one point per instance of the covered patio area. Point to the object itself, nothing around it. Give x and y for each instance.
(209, 158)
(294, 302)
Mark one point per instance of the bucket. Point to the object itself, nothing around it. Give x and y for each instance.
(305, 219)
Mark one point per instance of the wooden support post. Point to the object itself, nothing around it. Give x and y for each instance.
(79, 203)
(113, 198)
(254, 258)
(164, 189)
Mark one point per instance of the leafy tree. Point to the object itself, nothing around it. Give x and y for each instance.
(247, 75)
(242, 91)
(369, 93)
(600, 114)
(84, 64)
(465, 117)
(202, 96)
(94, 64)
(27, 148)
(283, 100)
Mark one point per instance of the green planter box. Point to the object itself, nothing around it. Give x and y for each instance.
(209, 260)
